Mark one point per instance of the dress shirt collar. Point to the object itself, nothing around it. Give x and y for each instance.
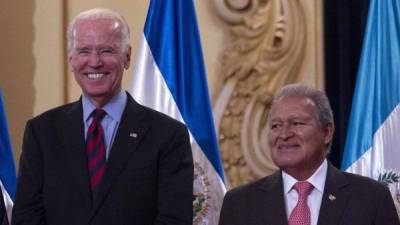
(114, 108)
(317, 179)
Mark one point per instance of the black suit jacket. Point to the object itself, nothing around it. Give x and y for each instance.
(148, 179)
(359, 201)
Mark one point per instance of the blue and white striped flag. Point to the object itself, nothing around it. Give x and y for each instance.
(8, 175)
(170, 77)
(373, 138)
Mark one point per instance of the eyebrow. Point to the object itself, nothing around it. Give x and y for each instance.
(296, 117)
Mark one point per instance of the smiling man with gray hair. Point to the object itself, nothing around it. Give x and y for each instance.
(307, 189)
(103, 159)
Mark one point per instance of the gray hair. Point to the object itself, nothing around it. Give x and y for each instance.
(99, 13)
(321, 101)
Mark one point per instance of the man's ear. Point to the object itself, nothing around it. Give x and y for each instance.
(127, 60)
(329, 129)
(69, 63)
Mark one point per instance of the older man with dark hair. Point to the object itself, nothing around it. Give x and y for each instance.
(103, 159)
(307, 190)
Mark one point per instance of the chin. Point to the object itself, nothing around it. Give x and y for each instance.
(96, 92)
(286, 163)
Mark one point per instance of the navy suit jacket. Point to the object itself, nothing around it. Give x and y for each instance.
(148, 178)
(358, 201)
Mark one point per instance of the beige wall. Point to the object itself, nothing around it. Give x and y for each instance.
(17, 63)
(34, 74)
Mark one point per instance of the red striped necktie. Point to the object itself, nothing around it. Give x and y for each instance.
(96, 151)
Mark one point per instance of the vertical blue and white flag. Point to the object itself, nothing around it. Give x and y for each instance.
(170, 77)
(8, 175)
(373, 137)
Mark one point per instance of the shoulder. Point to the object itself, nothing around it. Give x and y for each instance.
(160, 118)
(353, 181)
(253, 189)
(369, 200)
(57, 113)
(151, 116)
(362, 183)
(248, 188)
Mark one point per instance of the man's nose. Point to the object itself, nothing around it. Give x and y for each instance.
(286, 132)
(95, 60)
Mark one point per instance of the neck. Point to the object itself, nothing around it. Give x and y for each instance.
(305, 172)
(102, 100)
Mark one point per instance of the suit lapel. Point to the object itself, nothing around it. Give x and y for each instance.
(272, 201)
(71, 133)
(335, 197)
(130, 131)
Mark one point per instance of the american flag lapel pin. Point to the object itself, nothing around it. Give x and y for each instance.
(332, 197)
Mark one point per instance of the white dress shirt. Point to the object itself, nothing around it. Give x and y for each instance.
(314, 199)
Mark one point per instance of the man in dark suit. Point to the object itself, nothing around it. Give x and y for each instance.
(307, 189)
(104, 159)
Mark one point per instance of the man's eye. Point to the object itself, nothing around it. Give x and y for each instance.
(106, 51)
(274, 126)
(298, 123)
(83, 51)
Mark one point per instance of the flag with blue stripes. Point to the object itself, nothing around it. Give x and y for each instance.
(8, 175)
(170, 77)
(372, 143)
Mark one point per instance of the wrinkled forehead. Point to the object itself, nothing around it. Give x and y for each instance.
(99, 27)
(287, 101)
(286, 106)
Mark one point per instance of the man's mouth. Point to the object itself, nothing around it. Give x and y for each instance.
(287, 146)
(94, 76)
